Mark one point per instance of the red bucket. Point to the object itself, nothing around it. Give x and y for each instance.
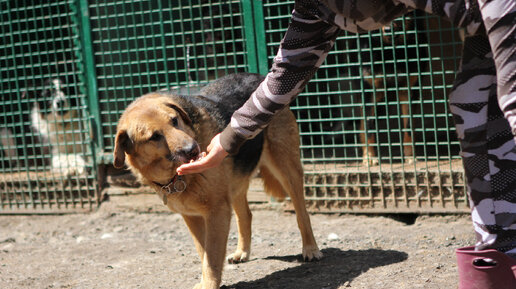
(485, 269)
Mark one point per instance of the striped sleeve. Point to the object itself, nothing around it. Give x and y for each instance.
(302, 51)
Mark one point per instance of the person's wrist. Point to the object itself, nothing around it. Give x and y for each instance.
(230, 141)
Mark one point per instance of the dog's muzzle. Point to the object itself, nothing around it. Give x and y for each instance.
(60, 105)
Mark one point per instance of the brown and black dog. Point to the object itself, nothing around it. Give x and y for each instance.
(160, 131)
(392, 64)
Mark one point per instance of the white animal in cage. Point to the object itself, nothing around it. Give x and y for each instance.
(56, 117)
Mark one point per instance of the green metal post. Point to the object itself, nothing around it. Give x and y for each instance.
(259, 30)
(255, 36)
(90, 79)
(250, 38)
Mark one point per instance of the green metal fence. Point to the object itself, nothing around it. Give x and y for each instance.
(46, 158)
(107, 53)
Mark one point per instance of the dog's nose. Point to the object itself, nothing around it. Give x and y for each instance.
(60, 104)
(191, 152)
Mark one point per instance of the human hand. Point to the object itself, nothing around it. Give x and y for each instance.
(214, 158)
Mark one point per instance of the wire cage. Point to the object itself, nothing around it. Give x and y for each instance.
(376, 133)
(46, 163)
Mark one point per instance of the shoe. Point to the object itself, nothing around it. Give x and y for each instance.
(485, 269)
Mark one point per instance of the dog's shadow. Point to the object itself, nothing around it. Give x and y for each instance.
(335, 269)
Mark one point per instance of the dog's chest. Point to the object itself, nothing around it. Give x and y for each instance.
(175, 204)
(185, 203)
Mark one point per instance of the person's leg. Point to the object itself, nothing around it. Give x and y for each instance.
(498, 18)
(487, 148)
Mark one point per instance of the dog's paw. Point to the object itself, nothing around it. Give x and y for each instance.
(370, 161)
(408, 160)
(311, 253)
(69, 164)
(238, 257)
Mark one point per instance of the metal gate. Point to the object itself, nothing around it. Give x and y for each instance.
(107, 53)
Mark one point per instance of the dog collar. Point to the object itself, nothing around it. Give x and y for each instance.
(176, 185)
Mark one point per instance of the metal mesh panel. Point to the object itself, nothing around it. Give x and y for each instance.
(375, 128)
(143, 46)
(382, 93)
(45, 159)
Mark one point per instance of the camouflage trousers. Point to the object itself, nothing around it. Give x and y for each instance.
(488, 148)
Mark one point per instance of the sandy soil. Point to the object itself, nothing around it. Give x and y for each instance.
(133, 242)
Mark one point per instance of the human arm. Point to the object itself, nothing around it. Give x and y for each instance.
(302, 50)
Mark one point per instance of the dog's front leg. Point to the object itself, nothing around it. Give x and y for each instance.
(217, 231)
(243, 217)
(197, 227)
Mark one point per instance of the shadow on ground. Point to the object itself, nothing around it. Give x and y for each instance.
(335, 269)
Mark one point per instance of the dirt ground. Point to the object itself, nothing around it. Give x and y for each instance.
(133, 242)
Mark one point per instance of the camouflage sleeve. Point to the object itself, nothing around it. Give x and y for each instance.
(314, 27)
(303, 49)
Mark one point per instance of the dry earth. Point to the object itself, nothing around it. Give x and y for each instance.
(133, 242)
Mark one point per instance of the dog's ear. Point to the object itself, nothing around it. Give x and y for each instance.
(123, 145)
(181, 112)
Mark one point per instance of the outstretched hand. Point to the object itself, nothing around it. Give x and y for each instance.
(214, 158)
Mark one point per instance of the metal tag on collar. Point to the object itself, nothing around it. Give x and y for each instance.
(165, 191)
(179, 184)
(165, 200)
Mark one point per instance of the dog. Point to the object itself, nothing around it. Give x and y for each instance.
(160, 131)
(56, 118)
(395, 66)
(20, 146)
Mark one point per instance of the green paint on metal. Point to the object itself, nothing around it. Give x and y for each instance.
(250, 35)
(90, 77)
(259, 28)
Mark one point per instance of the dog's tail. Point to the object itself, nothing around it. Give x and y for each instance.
(271, 185)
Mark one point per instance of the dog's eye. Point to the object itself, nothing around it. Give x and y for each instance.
(174, 121)
(155, 136)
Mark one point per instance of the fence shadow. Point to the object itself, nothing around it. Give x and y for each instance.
(336, 268)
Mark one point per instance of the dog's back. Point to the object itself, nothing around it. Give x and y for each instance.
(230, 93)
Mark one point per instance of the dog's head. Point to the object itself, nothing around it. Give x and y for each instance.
(52, 99)
(404, 31)
(156, 135)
